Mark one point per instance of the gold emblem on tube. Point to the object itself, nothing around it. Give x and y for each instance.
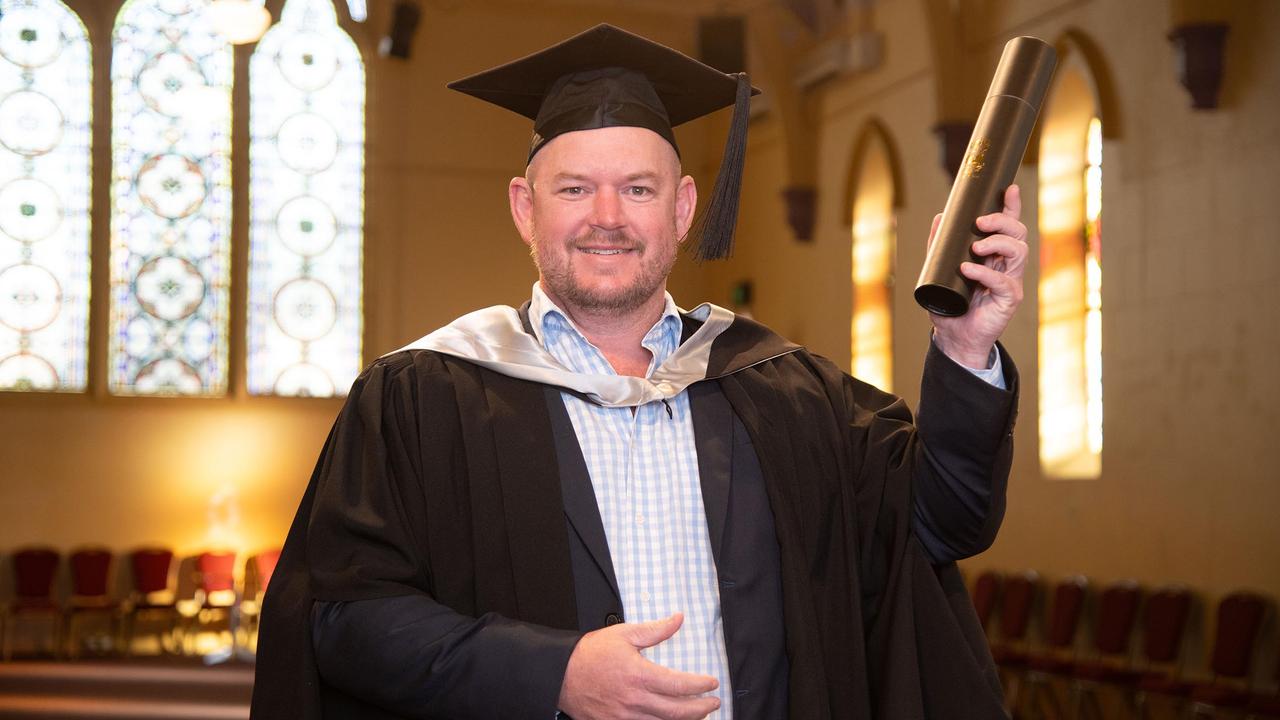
(975, 157)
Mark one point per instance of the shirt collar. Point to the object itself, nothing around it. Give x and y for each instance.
(661, 339)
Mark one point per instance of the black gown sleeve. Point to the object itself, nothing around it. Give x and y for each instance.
(965, 426)
(418, 658)
(354, 623)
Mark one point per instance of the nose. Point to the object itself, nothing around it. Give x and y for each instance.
(606, 211)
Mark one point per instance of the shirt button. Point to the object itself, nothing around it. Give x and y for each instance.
(612, 619)
(645, 596)
(639, 518)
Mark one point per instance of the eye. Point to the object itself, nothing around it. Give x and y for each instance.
(639, 191)
(573, 191)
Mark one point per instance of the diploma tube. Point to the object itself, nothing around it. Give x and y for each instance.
(989, 166)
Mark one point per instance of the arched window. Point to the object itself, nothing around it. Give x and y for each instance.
(45, 108)
(874, 247)
(307, 188)
(1070, 291)
(170, 200)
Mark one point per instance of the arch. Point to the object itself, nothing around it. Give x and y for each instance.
(1070, 288)
(873, 197)
(307, 216)
(873, 130)
(46, 91)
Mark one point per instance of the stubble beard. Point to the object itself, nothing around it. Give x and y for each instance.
(560, 280)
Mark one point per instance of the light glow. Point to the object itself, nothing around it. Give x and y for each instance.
(873, 250)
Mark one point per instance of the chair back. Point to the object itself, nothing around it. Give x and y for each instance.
(151, 569)
(265, 564)
(89, 570)
(1239, 619)
(33, 573)
(1165, 622)
(1015, 605)
(216, 571)
(1117, 611)
(1064, 617)
(986, 589)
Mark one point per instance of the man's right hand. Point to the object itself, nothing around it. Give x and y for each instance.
(607, 677)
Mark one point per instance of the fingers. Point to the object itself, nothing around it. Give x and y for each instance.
(1002, 224)
(665, 681)
(933, 230)
(643, 635)
(1013, 201)
(1010, 255)
(686, 709)
(1000, 284)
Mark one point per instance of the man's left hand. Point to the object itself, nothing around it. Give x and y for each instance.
(968, 339)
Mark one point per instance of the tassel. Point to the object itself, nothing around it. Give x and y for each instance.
(713, 229)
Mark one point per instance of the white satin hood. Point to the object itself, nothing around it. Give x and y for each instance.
(495, 338)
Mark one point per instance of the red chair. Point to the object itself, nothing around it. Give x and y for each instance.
(1010, 650)
(1240, 617)
(986, 591)
(1113, 631)
(257, 576)
(1058, 653)
(1264, 705)
(34, 570)
(1164, 624)
(215, 592)
(90, 570)
(152, 594)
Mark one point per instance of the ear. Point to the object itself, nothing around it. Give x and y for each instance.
(520, 197)
(686, 204)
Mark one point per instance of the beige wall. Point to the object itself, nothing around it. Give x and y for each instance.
(1191, 330)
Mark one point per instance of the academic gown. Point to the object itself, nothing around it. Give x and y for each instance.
(441, 479)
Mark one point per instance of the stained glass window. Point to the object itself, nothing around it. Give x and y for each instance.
(1070, 287)
(171, 200)
(45, 108)
(873, 251)
(1093, 285)
(307, 194)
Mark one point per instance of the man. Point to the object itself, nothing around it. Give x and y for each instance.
(602, 506)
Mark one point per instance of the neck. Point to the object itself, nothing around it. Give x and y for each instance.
(618, 334)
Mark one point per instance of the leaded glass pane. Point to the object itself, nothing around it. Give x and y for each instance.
(45, 110)
(307, 193)
(171, 200)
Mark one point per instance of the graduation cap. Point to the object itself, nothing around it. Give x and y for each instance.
(608, 77)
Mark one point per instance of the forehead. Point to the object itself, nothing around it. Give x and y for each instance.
(606, 151)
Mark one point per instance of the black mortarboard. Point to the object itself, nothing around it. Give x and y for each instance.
(608, 77)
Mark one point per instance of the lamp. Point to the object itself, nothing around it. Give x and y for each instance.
(240, 21)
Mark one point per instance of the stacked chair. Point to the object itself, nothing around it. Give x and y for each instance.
(90, 595)
(1057, 657)
(152, 595)
(1060, 675)
(1112, 637)
(34, 570)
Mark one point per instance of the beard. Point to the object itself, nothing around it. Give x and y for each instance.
(560, 279)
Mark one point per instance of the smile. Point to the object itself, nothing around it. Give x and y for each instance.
(604, 251)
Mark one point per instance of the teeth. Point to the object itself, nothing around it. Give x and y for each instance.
(603, 252)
